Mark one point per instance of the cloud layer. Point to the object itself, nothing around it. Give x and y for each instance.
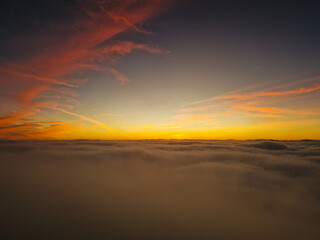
(157, 189)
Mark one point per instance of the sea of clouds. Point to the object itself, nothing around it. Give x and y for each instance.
(156, 189)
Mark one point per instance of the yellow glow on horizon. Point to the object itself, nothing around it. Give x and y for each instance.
(295, 130)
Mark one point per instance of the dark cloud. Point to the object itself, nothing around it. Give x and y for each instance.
(85, 189)
(270, 145)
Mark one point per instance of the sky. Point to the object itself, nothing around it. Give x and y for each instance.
(160, 69)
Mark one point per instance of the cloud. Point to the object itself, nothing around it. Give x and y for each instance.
(295, 103)
(101, 124)
(119, 76)
(190, 119)
(75, 42)
(270, 145)
(156, 189)
(88, 32)
(271, 94)
(263, 110)
(27, 96)
(126, 47)
(125, 21)
(311, 85)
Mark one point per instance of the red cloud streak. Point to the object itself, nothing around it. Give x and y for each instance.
(53, 67)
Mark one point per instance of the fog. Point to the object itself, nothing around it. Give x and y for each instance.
(158, 189)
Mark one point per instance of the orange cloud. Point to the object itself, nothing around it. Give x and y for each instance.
(276, 110)
(14, 70)
(100, 124)
(262, 109)
(196, 118)
(15, 117)
(313, 86)
(261, 115)
(192, 117)
(37, 131)
(197, 109)
(118, 75)
(271, 94)
(62, 59)
(76, 48)
(26, 97)
(127, 47)
(22, 115)
(284, 102)
(125, 21)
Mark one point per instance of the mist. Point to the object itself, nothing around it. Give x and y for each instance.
(157, 189)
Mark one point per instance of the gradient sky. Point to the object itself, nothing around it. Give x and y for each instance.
(129, 69)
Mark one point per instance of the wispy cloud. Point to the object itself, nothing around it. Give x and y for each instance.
(119, 76)
(76, 46)
(272, 94)
(100, 124)
(264, 93)
(283, 102)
